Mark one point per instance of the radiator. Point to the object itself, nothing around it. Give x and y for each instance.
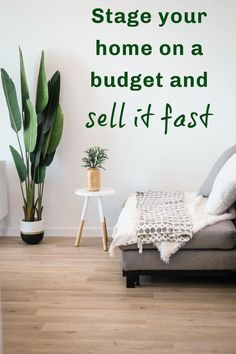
(3, 190)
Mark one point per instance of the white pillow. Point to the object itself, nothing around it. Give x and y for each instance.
(223, 193)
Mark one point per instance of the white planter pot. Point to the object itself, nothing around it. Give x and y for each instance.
(32, 232)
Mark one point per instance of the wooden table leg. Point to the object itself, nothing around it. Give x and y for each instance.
(78, 238)
(103, 225)
(104, 235)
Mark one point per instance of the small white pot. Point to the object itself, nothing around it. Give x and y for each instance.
(32, 232)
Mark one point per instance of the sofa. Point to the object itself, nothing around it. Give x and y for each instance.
(212, 249)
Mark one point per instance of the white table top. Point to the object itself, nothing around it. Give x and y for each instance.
(102, 193)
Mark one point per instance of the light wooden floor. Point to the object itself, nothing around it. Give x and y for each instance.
(66, 300)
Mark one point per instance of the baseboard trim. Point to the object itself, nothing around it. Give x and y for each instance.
(64, 232)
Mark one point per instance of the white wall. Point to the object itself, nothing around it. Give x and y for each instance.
(139, 158)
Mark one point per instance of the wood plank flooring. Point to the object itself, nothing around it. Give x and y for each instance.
(66, 300)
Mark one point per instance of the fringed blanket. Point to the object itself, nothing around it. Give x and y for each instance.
(161, 216)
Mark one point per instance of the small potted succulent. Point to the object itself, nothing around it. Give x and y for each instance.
(93, 161)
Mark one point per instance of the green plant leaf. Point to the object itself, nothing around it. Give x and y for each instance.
(23, 81)
(54, 93)
(35, 155)
(46, 138)
(95, 157)
(49, 158)
(40, 174)
(42, 88)
(20, 165)
(11, 99)
(56, 131)
(30, 126)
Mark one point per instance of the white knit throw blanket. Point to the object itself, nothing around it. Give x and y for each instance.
(162, 217)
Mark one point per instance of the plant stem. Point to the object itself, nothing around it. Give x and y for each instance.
(30, 208)
(40, 199)
(20, 146)
(22, 191)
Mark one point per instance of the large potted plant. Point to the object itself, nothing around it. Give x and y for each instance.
(41, 126)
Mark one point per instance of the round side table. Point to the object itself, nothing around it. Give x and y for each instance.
(83, 192)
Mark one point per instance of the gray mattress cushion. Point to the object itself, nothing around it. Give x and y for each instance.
(221, 236)
(182, 260)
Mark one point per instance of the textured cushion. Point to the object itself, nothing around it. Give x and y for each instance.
(218, 236)
(223, 193)
(207, 185)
